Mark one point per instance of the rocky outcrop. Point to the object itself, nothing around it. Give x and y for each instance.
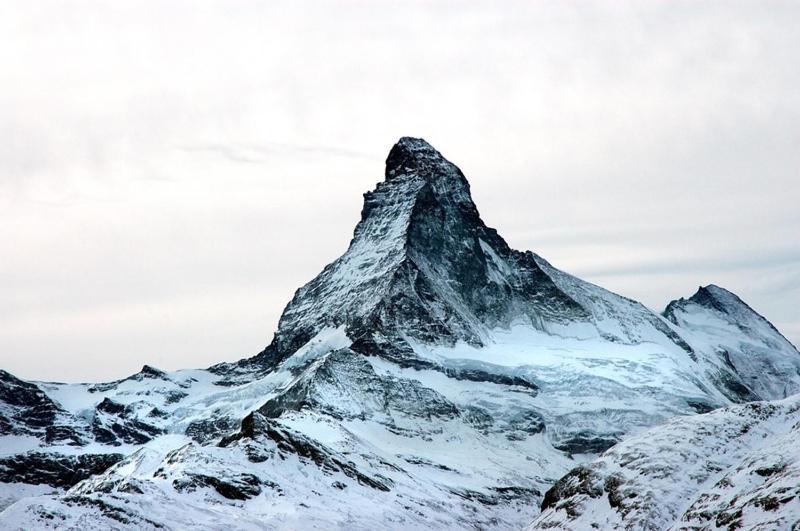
(115, 424)
(27, 410)
(344, 385)
(54, 469)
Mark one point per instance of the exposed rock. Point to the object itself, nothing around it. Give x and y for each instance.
(115, 424)
(586, 442)
(209, 429)
(56, 470)
(235, 487)
(344, 384)
(27, 410)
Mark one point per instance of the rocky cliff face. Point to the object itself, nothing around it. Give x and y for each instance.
(429, 377)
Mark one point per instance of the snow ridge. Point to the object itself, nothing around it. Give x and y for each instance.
(734, 468)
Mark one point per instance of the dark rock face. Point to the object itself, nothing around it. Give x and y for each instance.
(289, 442)
(587, 443)
(56, 470)
(397, 351)
(734, 388)
(234, 487)
(477, 375)
(581, 480)
(700, 407)
(38, 411)
(115, 424)
(524, 424)
(207, 430)
(26, 410)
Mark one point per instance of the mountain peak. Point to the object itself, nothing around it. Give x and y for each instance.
(766, 362)
(711, 297)
(423, 265)
(411, 154)
(720, 299)
(416, 169)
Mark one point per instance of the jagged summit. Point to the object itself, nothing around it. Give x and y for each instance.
(415, 159)
(718, 298)
(417, 226)
(710, 296)
(411, 154)
(415, 156)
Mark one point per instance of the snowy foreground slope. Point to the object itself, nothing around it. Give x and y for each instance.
(734, 468)
(431, 377)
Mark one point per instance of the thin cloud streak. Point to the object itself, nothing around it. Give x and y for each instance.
(262, 153)
(715, 263)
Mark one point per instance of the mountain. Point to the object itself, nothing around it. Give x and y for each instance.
(763, 360)
(429, 377)
(734, 468)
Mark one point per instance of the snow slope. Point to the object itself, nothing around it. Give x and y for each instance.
(734, 468)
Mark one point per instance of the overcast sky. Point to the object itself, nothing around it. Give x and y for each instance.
(170, 172)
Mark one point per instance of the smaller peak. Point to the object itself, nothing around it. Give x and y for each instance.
(411, 154)
(718, 298)
(149, 370)
(110, 406)
(713, 288)
(717, 292)
(710, 296)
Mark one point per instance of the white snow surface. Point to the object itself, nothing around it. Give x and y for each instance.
(734, 468)
(439, 469)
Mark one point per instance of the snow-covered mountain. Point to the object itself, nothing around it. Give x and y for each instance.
(429, 377)
(733, 468)
(716, 320)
